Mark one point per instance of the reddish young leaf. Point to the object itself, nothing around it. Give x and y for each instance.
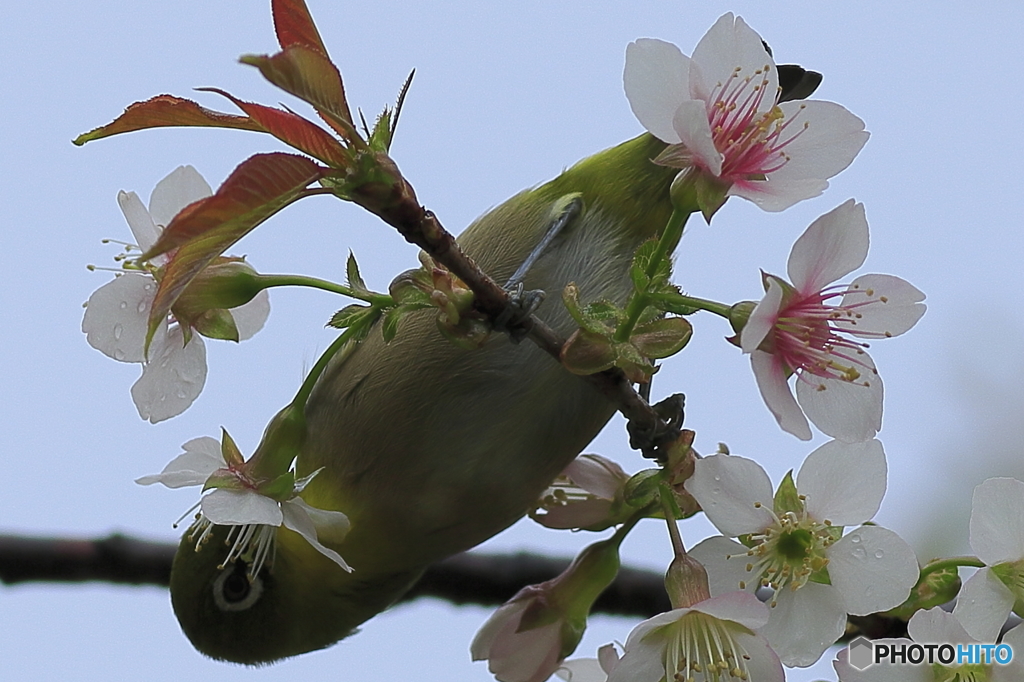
(163, 111)
(312, 77)
(294, 25)
(294, 130)
(261, 186)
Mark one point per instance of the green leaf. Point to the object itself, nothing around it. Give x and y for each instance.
(165, 111)
(587, 353)
(260, 187)
(229, 451)
(349, 315)
(353, 278)
(643, 261)
(662, 338)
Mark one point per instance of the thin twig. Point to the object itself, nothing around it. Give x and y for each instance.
(397, 205)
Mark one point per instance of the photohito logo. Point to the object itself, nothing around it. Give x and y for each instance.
(864, 653)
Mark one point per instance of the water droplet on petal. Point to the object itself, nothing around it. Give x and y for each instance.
(124, 304)
(879, 554)
(118, 354)
(117, 331)
(855, 539)
(181, 394)
(142, 307)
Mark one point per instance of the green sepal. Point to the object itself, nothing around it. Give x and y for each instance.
(787, 499)
(229, 451)
(935, 588)
(216, 324)
(643, 488)
(281, 488)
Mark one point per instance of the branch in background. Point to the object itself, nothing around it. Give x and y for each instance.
(470, 578)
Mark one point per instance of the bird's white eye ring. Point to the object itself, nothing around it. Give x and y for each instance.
(234, 590)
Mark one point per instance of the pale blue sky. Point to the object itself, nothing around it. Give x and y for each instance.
(505, 96)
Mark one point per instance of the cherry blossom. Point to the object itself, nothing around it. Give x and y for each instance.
(793, 540)
(719, 112)
(799, 329)
(997, 538)
(587, 494)
(935, 626)
(717, 636)
(237, 501)
(528, 637)
(117, 314)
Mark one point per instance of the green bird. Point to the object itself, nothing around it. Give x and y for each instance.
(427, 447)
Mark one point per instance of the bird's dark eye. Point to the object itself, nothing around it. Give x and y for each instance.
(233, 590)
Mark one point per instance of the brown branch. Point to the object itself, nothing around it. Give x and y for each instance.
(469, 578)
(396, 204)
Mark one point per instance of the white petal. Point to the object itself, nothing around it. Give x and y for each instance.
(201, 458)
(657, 82)
(828, 144)
(597, 475)
(642, 660)
(173, 378)
(117, 316)
(762, 318)
(740, 607)
(849, 411)
(983, 604)
(883, 671)
(873, 568)
(331, 526)
(1014, 672)
(725, 574)
(777, 194)
(509, 612)
(692, 126)
(833, 246)
(844, 482)
(582, 670)
(226, 507)
(936, 625)
(183, 186)
(728, 488)
(728, 45)
(250, 317)
(528, 655)
(763, 664)
(885, 305)
(139, 220)
(297, 517)
(997, 521)
(774, 388)
(805, 622)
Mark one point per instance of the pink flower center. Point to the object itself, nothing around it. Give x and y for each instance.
(752, 143)
(807, 336)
